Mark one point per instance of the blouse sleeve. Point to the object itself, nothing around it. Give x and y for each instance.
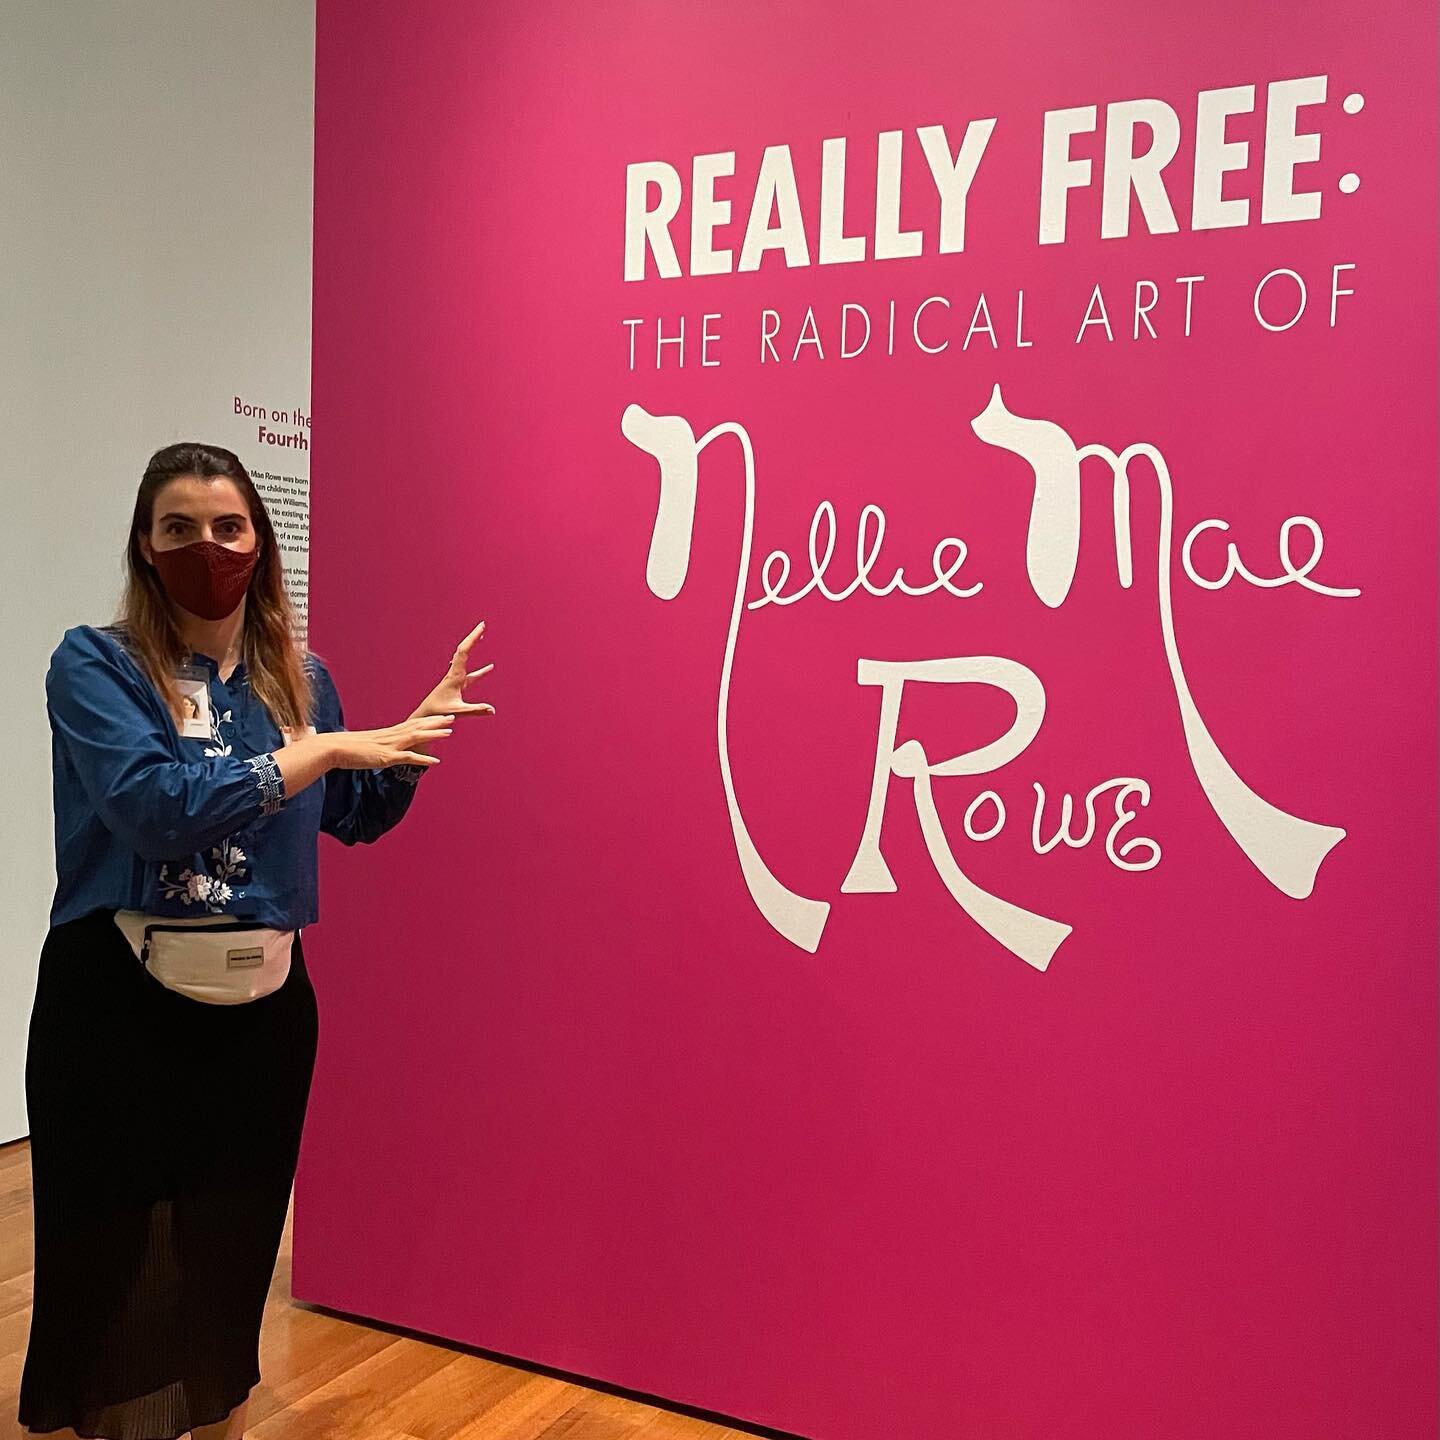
(109, 720)
(360, 805)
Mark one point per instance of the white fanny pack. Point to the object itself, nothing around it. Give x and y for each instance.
(215, 959)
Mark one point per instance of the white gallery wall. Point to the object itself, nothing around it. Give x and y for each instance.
(155, 234)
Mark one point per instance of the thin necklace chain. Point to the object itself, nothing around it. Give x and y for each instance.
(234, 653)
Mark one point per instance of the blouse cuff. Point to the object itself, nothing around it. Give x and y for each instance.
(270, 782)
(408, 773)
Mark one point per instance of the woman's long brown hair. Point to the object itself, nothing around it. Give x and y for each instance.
(274, 659)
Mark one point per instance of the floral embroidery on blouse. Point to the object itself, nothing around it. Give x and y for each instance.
(212, 885)
(221, 745)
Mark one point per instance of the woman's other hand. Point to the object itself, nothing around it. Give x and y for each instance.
(395, 745)
(448, 697)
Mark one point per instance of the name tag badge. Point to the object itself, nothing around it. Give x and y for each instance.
(194, 686)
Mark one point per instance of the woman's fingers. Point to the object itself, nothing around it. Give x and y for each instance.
(476, 674)
(413, 757)
(463, 648)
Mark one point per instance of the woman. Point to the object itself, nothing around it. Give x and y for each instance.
(164, 1130)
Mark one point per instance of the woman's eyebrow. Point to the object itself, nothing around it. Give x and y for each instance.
(176, 515)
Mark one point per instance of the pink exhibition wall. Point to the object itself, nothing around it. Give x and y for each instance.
(999, 1002)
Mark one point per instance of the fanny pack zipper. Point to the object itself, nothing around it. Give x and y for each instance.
(215, 925)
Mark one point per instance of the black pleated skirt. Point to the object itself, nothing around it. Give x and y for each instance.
(164, 1136)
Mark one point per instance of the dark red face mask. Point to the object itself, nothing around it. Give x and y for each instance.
(206, 578)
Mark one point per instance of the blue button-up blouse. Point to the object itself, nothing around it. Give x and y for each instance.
(149, 819)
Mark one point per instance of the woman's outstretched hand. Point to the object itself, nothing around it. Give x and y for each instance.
(448, 697)
(396, 745)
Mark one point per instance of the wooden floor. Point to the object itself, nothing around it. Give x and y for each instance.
(325, 1378)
